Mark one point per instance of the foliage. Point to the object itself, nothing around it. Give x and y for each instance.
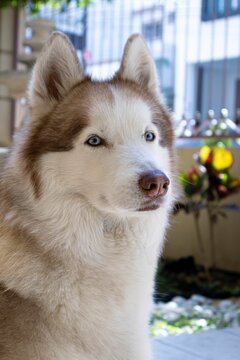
(183, 277)
(192, 181)
(189, 322)
(36, 4)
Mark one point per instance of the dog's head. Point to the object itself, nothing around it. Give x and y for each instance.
(110, 142)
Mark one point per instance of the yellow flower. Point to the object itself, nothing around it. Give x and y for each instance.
(204, 153)
(222, 159)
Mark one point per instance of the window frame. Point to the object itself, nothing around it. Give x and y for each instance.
(211, 12)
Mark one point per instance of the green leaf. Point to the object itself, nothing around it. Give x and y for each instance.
(35, 4)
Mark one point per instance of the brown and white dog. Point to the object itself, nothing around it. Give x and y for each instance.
(85, 198)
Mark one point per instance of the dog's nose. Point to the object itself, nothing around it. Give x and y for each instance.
(154, 183)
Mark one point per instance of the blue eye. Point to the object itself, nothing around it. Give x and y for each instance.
(149, 136)
(94, 141)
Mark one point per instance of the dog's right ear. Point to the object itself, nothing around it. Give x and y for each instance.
(55, 72)
(137, 64)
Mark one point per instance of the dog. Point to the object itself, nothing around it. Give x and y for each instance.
(86, 195)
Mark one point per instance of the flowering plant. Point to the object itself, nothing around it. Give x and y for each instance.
(204, 186)
(212, 180)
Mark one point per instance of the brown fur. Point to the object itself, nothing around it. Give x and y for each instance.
(57, 130)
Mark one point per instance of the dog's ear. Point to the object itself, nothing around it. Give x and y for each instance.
(55, 72)
(138, 65)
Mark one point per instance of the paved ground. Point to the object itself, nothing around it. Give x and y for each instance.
(209, 345)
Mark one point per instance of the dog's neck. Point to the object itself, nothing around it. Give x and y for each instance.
(76, 227)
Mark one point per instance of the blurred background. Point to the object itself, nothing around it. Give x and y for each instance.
(196, 48)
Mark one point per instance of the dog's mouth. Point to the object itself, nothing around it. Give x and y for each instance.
(151, 205)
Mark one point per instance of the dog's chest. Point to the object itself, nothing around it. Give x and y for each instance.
(103, 297)
(101, 314)
(100, 300)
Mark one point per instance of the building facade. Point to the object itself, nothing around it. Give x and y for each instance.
(195, 44)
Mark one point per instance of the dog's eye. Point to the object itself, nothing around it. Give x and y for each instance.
(94, 141)
(149, 136)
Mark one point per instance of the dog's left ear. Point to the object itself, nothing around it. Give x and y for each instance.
(138, 65)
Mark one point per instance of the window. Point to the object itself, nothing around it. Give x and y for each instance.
(171, 17)
(234, 5)
(77, 40)
(215, 9)
(165, 70)
(220, 8)
(152, 31)
(210, 85)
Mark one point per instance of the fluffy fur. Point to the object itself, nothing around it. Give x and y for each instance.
(77, 257)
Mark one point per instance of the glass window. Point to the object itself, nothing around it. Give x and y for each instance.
(152, 31)
(210, 8)
(220, 7)
(215, 9)
(234, 5)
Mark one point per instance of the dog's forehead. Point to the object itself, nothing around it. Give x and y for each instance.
(120, 109)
